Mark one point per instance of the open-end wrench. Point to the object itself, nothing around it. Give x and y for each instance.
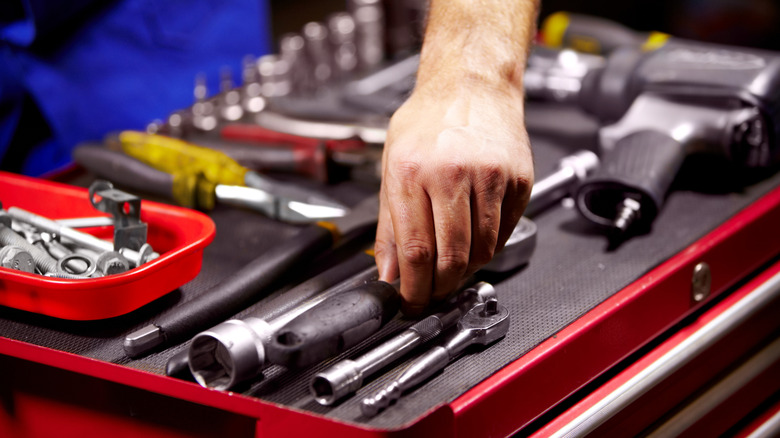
(484, 324)
(347, 376)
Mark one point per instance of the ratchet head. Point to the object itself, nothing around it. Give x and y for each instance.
(488, 322)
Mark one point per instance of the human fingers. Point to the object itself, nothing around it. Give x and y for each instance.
(385, 249)
(450, 203)
(412, 219)
(514, 202)
(487, 196)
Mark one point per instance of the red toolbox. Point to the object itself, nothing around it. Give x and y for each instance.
(586, 319)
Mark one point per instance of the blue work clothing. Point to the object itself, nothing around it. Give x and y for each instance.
(72, 71)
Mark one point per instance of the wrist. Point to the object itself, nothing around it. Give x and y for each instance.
(470, 89)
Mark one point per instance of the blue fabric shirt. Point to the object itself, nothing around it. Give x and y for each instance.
(96, 66)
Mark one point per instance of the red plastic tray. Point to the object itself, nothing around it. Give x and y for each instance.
(179, 235)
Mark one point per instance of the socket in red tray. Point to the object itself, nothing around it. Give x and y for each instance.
(178, 234)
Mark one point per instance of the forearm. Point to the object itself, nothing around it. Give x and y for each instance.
(482, 42)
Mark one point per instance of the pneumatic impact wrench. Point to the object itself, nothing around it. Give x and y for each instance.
(659, 106)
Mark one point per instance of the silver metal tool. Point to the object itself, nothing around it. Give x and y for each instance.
(292, 50)
(203, 111)
(557, 75)
(347, 376)
(373, 131)
(370, 31)
(252, 100)
(517, 250)
(572, 169)
(87, 222)
(274, 75)
(43, 261)
(234, 351)
(482, 325)
(385, 77)
(318, 50)
(341, 32)
(145, 254)
(37, 239)
(229, 101)
(86, 273)
(14, 257)
(276, 206)
(59, 251)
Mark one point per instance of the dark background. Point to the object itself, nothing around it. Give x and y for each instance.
(752, 23)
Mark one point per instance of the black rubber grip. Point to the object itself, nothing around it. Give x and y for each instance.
(345, 272)
(334, 325)
(641, 167)
(245, 286)
(124, 170)
(308, 289)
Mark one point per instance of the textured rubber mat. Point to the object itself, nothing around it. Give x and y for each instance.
(572, 270)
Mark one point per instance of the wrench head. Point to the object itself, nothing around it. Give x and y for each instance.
(488, 321)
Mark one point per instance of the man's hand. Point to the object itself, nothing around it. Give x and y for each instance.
(457, 169)
(457, 174)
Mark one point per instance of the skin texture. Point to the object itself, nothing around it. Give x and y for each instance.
(457, 165)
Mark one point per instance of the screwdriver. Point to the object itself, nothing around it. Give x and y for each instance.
(191, 190)
(173, 155)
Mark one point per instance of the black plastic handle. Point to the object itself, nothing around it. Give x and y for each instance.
(342, 274)
(334, 325)
(124, 170)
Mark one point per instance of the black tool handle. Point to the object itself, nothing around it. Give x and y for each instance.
(344, 274)
(334, 325)
(641, 167)
(124, 170)
(245, 286)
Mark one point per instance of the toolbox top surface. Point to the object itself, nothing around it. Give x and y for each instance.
(573, 269)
